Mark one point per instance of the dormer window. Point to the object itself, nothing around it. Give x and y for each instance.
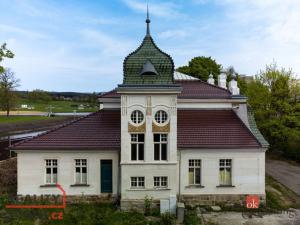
(137, 117)
(148, 69)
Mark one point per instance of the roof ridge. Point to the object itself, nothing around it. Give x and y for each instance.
(108, 92)
(54, 129)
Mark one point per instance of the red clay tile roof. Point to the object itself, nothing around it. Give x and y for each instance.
(102, 130)
(195, 89)
(200, 89)
(97, 131)
(212, 129)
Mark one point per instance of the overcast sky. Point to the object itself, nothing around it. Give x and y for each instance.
(80, 45)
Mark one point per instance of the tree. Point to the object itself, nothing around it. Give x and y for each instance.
(8, 84)
(274, 97)
(4, 53)
(201, 67)
(39, 96)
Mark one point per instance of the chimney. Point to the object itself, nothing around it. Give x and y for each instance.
(211, 79)
(222, 80)
(233, 88)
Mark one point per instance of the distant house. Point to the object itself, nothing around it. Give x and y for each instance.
(160, 134)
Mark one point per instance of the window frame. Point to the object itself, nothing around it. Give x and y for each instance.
(161, 116)
(139, 179)
(137, 143)
(81, 166)
(224, 167)
(136, 115)
(51, 166)
(159, 180)
(194, 167)
(160, 143)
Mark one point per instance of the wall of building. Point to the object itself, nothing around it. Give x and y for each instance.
(149, 105)
(31, 172)
(248, 172)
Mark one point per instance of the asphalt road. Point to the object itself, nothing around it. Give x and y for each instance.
(285, 173)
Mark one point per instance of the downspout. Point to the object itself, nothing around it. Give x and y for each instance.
(179, 169)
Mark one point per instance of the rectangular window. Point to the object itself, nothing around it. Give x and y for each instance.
(137, 182)
(225, 171)
(51, 171)
(137, 146)
(160, 182)
(160, 146)
(195, 171)
(80, 171)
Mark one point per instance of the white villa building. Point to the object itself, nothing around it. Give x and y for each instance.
(160, 134)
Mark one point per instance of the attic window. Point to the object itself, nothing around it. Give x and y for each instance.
(148, 69)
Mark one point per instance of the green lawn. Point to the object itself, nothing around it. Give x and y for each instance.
(57, 106)
(17, 119)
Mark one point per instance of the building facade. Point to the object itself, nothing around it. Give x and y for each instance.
(159, 134)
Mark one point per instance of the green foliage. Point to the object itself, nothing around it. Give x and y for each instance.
(4, 53)
(85, 213)
(8, 83)
(168, 219)
(274, 98)
(39, 96)
(148, 205)
(191, 218)
(201, 67)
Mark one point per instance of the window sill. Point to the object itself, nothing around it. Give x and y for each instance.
(225, 186)
(47, 185)
(79, 185)
(194, 186)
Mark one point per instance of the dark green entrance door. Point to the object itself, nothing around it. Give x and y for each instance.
(106, 176)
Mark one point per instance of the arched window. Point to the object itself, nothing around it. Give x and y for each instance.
(161, 116)
(137, 116)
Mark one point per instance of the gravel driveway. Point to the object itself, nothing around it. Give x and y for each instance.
(285, 173)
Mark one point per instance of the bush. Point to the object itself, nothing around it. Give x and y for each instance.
(191, 218)
(168, 219)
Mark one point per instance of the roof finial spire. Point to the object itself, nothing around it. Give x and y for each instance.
(148, 21)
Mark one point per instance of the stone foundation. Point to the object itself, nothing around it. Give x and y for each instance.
(71, 199)
(137, 205)
(195, 200)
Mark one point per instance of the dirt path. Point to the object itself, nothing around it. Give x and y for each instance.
(285, 173)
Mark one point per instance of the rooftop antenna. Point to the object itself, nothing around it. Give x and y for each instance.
(148, 21)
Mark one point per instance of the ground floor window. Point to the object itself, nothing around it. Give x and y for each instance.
(51, 171)
(194, 171)
(80, 171)
(160, 182)
(137, 182)
(225, 168)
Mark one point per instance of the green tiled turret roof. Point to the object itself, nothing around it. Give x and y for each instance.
(255, 130)
(148, 52)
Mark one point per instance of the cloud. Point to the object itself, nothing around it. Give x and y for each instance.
(21, 31)
(158, 8)
(173, 34)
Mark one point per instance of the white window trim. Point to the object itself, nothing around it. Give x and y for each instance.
(133, 122)
(80, 170)
(51, 175)
(194, 168)
(137, 148)
(137, 182)
(231, 171)
(160, 182)
(164, 123)
(160, 148)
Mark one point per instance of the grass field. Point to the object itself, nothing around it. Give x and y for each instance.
(18, 119)
(57, 106)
